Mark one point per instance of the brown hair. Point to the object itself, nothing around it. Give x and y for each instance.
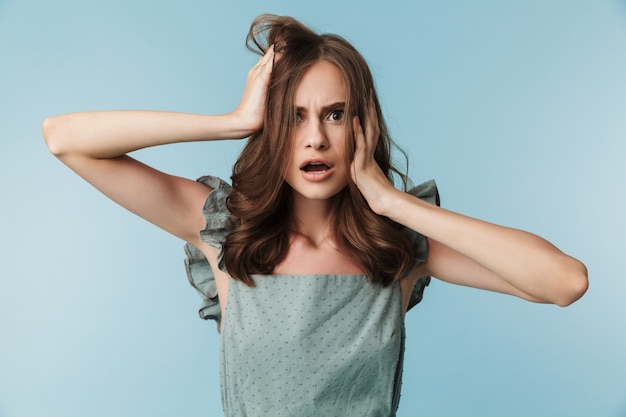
(260, 202)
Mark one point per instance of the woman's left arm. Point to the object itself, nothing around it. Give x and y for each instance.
(468, 251)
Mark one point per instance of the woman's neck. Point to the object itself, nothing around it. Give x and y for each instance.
(312, 245)
(312, 219)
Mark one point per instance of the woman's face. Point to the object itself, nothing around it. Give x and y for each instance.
(316, 169)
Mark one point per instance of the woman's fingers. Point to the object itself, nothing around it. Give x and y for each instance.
(366, 173)
(266, 62)
(372, 131)
(366, 138)
(251, 109)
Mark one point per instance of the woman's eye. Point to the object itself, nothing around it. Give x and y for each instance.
(298, 117)
(336, 115)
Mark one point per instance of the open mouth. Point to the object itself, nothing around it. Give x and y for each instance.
(314, 167)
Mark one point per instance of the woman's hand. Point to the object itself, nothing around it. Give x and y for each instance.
(250, 112)
(366, 173)
(95, 144)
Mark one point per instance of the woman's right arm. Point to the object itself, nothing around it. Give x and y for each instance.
(95, 145)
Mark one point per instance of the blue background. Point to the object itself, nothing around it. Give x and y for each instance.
(517, 108)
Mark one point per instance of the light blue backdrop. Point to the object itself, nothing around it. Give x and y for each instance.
(517, 108)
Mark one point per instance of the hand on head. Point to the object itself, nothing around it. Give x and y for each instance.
(251, 110)
(365, 171)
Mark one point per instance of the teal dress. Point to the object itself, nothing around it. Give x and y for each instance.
(305, 345)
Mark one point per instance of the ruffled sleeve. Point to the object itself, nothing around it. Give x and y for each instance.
(217, 227)
(426, 191)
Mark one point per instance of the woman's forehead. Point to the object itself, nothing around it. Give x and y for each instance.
(321, 85)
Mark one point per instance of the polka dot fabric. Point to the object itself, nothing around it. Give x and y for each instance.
(327, 345)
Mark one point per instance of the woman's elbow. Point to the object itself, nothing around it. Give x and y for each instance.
(52, 134)
(574, 283)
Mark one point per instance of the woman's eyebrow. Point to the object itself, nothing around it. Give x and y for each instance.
(340, 105)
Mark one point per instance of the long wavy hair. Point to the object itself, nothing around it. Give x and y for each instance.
(261, 201)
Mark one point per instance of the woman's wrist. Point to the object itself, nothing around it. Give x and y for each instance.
(386, 203)
(238, 126)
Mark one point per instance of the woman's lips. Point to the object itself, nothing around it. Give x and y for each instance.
(316, 170)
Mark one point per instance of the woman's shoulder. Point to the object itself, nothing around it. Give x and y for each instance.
(428, 192)
(221, 189)
(218, 224)
(215, 211)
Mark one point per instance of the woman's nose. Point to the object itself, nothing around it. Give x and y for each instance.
(316, 137)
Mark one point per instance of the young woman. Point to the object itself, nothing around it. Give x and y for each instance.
(310, 261)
